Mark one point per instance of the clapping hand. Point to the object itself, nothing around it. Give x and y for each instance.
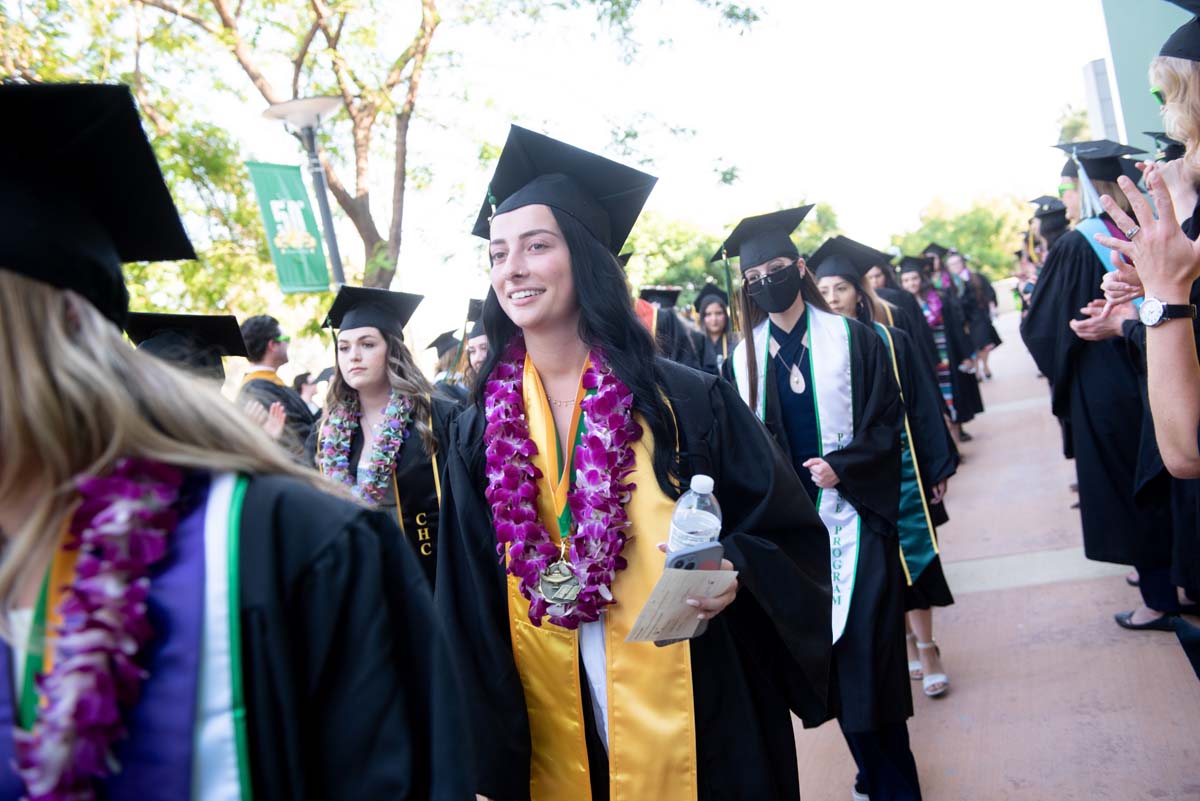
(1100, 325)
(1167, 262)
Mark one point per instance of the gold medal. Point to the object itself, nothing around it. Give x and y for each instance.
(558, 584)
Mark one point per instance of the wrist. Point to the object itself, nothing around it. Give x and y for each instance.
(1169, 292)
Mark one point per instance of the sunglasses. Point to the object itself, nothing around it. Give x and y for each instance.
(1063, 189)
(1159, 96)
(283, 338)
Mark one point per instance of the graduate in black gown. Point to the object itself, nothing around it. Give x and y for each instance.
(717, 339)
(377, 388)
(195, 342)
(259, 636)
(676, 339)
(824, 387)
(928, 455)
(978, 300)
(563, 707)
(956, 319)
(447, 382)
(1093, 379)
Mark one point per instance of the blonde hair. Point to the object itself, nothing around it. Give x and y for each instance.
(1179, 81)
(880, 308)
(1113, 190)
(77, 398)
(405, 377)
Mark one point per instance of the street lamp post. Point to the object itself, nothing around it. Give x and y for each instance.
(305, 115)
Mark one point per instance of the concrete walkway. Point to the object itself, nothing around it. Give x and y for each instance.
(1049, 699)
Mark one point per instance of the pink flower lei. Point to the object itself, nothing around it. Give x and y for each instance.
(121, 529)
(603, 459)
(333, 457)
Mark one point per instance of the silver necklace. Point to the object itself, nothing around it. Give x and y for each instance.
(796, 380)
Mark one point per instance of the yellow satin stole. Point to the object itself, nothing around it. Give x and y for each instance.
(263, 375)
(651, 717)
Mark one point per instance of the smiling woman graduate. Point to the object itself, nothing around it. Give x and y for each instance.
(567, 467)
(186, 614)
(378, 400)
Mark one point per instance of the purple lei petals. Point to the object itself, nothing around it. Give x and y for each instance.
(337, 432)
(603, 459)
(120, 529)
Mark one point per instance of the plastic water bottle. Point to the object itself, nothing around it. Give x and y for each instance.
(697, 516)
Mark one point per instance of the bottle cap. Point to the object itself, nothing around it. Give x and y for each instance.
(702, 484)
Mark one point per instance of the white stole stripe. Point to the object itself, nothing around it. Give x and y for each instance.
(215, 765)
(830, 378)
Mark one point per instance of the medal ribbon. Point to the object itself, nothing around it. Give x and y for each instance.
(39, 651)
(564, 466)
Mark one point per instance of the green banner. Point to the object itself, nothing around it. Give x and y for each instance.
(292, 232)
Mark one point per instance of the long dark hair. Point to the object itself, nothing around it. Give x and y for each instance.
(752, 317)
(606, 321)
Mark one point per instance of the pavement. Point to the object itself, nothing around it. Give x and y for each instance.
(1049, 699)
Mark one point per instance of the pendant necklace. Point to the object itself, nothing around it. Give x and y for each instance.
(796, 380)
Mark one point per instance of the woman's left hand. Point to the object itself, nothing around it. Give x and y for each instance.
(1103, 321)
(822, 474)
(709, 608)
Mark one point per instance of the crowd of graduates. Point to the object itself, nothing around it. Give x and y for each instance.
(426, 588)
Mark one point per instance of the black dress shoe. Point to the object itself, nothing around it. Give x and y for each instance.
(1160, 623)
(963, 436)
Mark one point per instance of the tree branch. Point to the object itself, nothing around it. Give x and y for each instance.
(182, 13)
(298, 61)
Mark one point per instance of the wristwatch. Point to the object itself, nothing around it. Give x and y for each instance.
(1155, 312)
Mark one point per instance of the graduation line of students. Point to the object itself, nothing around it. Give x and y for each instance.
(302, 627)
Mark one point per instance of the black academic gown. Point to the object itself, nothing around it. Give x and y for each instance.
(415, 482)
(1095, 387)
(967, 400)
(767, 653)
(982, 296)
(908, 317)
(300, 419)
(350, 691)
(714, 355)
(673, 338)
(869, 685)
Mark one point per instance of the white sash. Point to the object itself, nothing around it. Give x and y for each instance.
(830, 376)
(215, 768)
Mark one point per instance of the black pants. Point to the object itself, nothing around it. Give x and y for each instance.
(886, 768)
(1158, 592)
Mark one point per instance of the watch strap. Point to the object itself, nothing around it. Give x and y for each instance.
(1178, 311)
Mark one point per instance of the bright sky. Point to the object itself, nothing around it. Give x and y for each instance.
(877, 107)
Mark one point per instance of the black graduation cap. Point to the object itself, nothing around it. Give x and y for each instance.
(843, 257)
(474, 310)
(756, 240)
(664, 296)
(324, 375)
(1168, 149)
(1047, 206)
(605, 196)
(444, 343)
(936, 249)
(1102, 158)
(708, 293)
(624, 258)
(81, 191)
(912, 264)
(360, 306)
(193, 341)
(1185, 41)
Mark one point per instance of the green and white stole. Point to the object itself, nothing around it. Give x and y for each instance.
(221, 767)
(829, 363)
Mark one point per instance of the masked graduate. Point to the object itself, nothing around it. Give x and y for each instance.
(186, 614)
(382, 434)
(195, 342)
(1094, 383)
(564, 707)
(928, 457)
(447, 381)
(717, 337)
(797, 357)
(655, 308)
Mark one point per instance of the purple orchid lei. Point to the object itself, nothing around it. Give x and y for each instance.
(604, 459)
(333, 458)
(120, 529)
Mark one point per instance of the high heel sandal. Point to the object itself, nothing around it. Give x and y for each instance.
(930, 683)
(915, 671)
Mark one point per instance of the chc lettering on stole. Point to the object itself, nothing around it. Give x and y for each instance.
(426, 544)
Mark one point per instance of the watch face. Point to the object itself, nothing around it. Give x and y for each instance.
(1151, 312)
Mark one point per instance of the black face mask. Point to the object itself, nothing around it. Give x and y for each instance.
(777, 292)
